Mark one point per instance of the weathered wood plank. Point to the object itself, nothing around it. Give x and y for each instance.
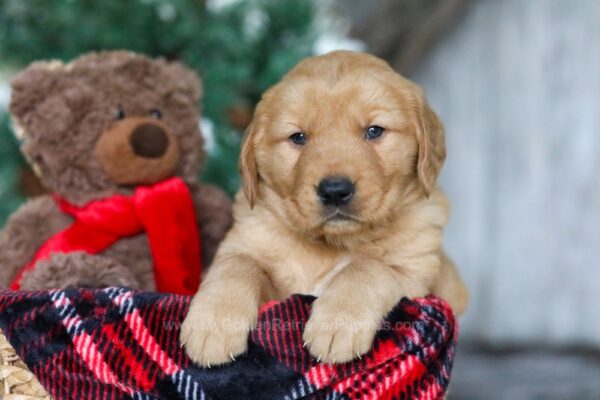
(518, 87)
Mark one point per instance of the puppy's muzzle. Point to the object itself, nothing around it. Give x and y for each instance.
(335, 191)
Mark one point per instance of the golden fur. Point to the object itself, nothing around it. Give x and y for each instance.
(282, 243)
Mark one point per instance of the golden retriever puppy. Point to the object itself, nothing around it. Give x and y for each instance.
(339, 200)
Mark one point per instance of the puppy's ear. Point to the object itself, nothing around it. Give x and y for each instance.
(247, 165)
(431, 142)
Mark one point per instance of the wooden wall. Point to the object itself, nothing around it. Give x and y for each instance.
(518, 87)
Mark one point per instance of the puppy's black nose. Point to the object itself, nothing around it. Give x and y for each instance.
(149, 141)
(335, 191)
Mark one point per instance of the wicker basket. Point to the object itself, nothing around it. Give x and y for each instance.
(16, 381)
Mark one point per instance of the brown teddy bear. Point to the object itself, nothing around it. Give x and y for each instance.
(114, 136)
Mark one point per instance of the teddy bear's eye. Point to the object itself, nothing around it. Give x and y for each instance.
(119, 114)
(155, 113)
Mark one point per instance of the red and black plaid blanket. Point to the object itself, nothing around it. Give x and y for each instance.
(120, 344)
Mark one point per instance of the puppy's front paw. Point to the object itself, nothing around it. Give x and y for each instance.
(337, 333)
(214, 333)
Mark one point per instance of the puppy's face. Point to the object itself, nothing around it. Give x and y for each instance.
(341, 141)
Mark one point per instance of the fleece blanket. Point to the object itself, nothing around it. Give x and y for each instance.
(116, 343)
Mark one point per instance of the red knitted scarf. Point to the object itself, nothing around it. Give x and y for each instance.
(164, 211)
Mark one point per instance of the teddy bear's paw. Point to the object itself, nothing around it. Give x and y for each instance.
(78, 269)
(215, 332)
(337, 333)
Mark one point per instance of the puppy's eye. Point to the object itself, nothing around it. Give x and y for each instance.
(373, 132)
(119, 113)
(298, 138)
(156, 113)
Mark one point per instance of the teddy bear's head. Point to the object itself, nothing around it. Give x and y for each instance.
(107, 122)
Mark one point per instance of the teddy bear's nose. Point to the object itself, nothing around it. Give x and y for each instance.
(149, 141)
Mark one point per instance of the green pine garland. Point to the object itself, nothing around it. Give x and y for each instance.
(11, 163)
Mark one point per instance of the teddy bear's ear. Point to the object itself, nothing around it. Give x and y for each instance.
(186, 81)
(31, 86)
